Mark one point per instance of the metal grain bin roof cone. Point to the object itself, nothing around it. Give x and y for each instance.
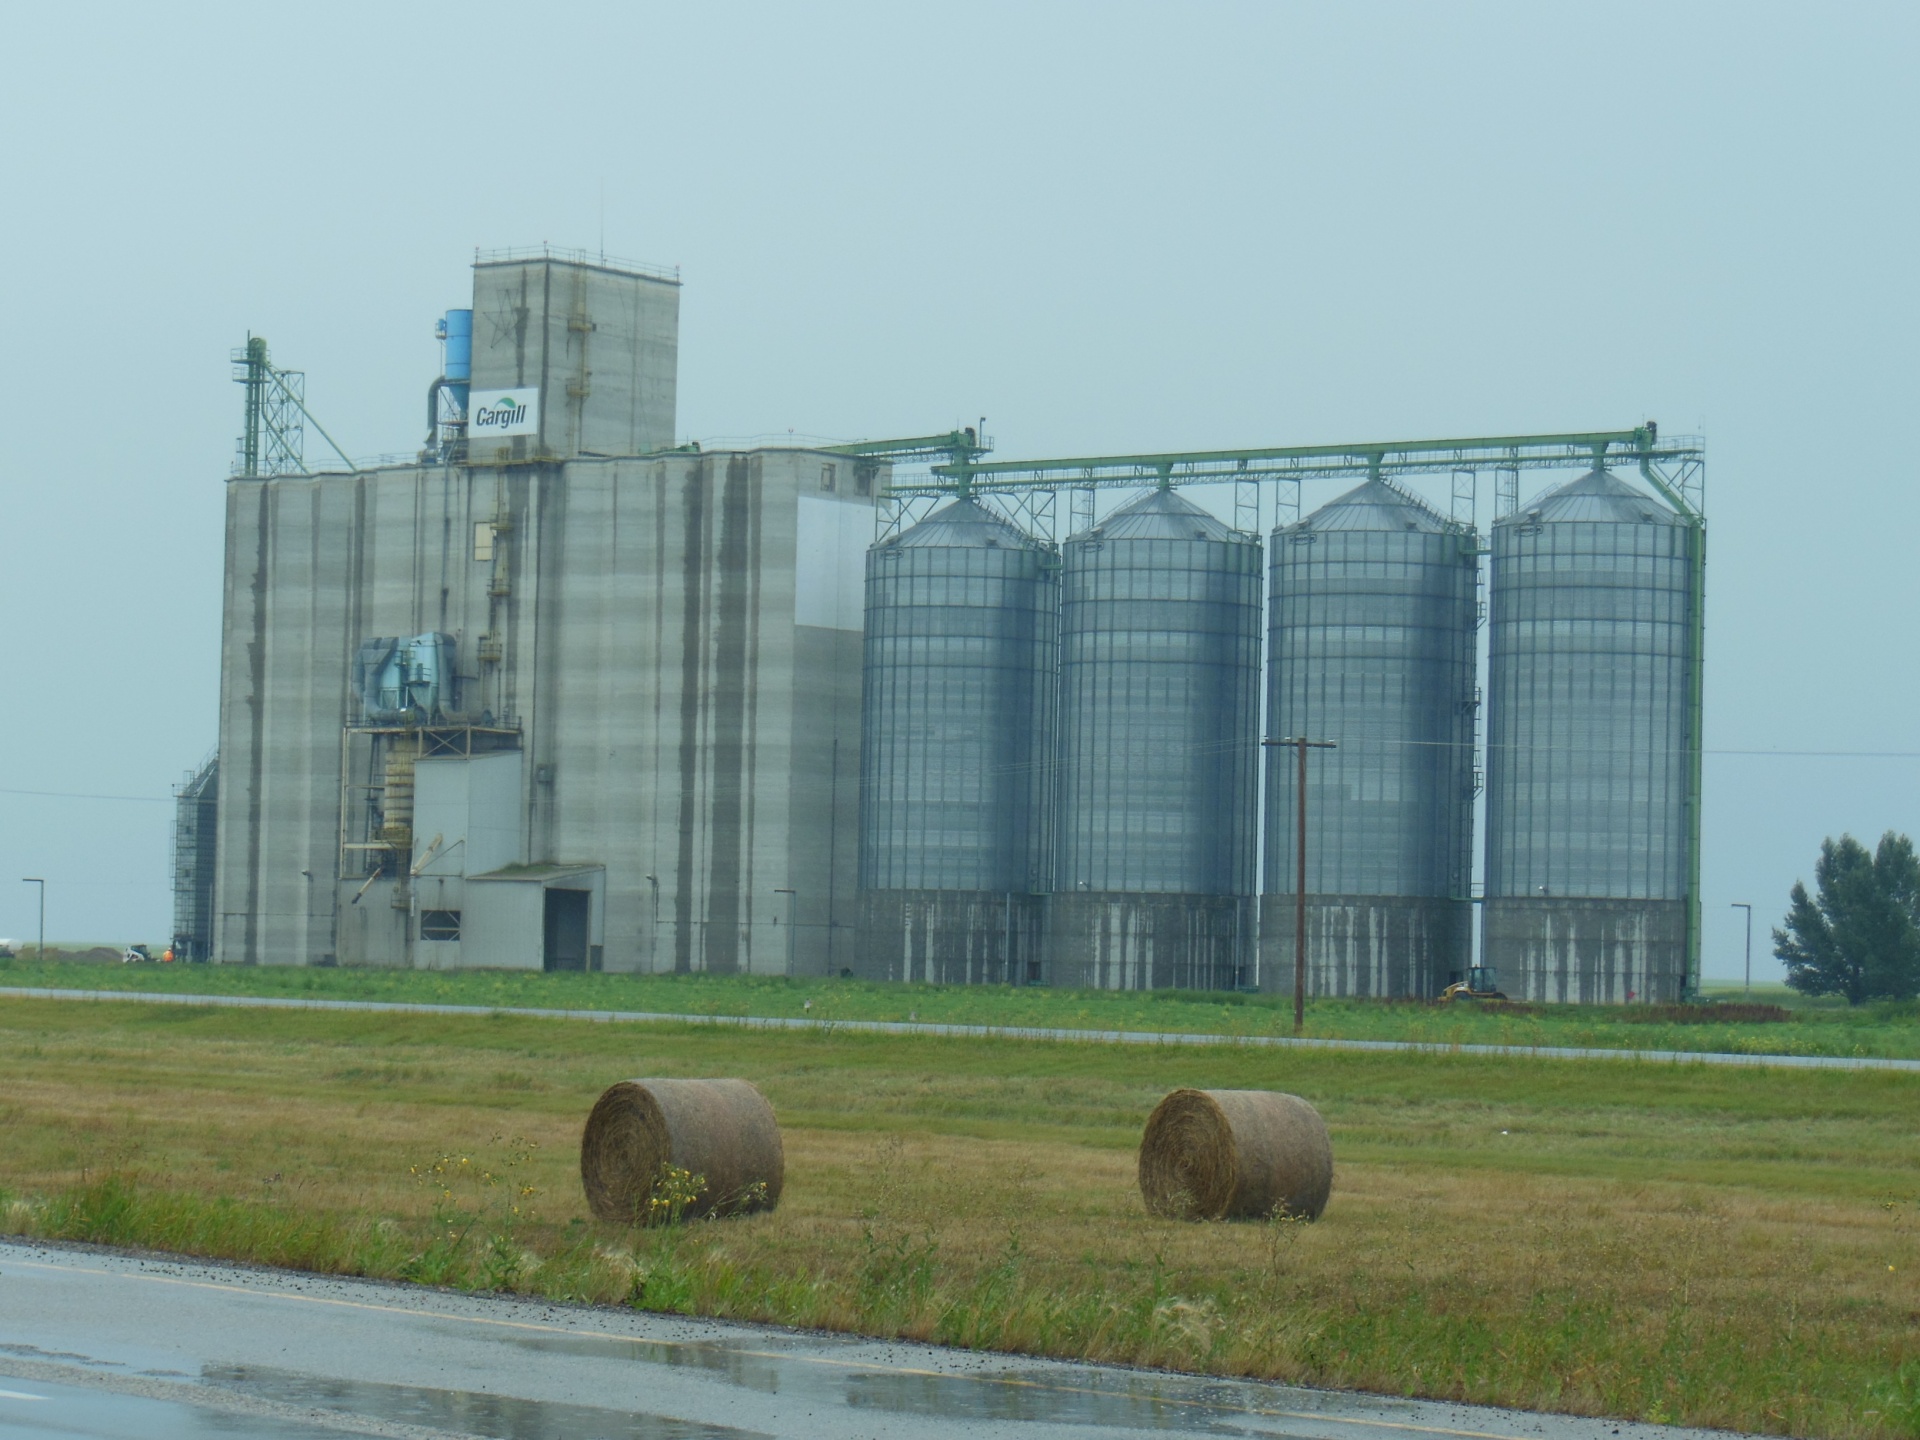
(1589, 662)
(956, 739)
(1371, 637)
(1159, 729)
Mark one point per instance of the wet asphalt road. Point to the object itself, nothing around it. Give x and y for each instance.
(94, 1343)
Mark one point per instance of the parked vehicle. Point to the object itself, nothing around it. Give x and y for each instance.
(1480, 984)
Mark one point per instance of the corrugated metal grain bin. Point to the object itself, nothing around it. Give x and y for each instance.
(1371, 634)
(1159, 714)
(956, 743)
(1590, 654)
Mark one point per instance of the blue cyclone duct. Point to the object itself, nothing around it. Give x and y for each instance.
(1590, 655)
(956, 735)
(457, 330)
(1371, 631)
(1159, 733)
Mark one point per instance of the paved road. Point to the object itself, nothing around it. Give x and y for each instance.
(96, 1343)
(986, 1032)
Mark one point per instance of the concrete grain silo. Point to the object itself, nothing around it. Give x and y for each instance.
(559, 694)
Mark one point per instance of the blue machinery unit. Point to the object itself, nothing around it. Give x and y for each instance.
(410, 679)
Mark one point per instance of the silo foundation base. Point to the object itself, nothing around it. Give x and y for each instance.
(1150, 942)
(951, 937)
(1588, 952)
(1367, 946)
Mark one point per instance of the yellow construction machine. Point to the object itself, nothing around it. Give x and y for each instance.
(1481, 984)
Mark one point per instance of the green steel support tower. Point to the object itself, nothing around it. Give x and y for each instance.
(273, 432)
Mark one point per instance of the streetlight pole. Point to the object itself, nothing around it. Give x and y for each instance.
(1743, 905)
(1302, 745)
(41, 954)
(793, 904)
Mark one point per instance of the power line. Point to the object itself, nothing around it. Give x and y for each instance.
(1827, 754)
(1216, 747)
(85, 795)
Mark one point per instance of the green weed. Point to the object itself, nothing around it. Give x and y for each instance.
(1607, 1238)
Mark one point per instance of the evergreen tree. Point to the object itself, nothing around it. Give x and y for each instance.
(1859, 935)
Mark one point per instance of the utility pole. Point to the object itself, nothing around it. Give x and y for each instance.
(1302, 744)
(1743, 905)
(41, 954)
(793, 904)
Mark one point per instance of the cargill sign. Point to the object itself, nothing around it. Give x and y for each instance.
(502, 414)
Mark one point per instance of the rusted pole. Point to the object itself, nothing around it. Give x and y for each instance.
(1301, 744)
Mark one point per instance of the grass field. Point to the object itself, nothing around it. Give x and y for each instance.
(1816, 1028)
(1664, 1242)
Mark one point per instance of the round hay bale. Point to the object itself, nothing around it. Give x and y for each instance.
(720, 1130)
(1235, 1155)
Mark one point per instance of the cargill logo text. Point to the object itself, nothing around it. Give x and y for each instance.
(498, 417)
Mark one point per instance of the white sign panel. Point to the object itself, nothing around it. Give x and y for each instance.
(830, 563)
(502, 414)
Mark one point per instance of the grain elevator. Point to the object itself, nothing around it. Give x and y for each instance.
(560, 692)
(555, 694)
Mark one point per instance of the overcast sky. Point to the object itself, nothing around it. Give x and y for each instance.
(1104, 227)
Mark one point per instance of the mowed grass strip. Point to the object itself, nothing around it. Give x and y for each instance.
(1656, 1241)
(1888, 1030)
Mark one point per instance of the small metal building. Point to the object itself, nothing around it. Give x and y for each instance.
(962, 612)
(196, 806)
(1371, 637)
(1159, 729)
(1591, 654)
